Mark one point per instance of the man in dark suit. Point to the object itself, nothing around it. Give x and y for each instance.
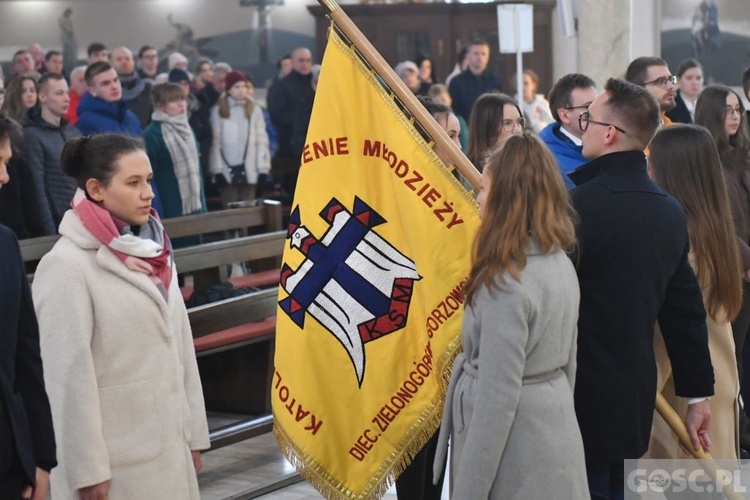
(633, 269)
(27, 440)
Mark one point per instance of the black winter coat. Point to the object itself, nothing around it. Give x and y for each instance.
(54, 190)
(290, 105)
(633, 269)
(25, 419)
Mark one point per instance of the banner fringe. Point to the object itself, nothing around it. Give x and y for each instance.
(429, 422)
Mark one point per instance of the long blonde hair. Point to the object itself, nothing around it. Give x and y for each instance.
(527, 198)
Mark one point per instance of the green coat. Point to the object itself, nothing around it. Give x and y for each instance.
(166, 180)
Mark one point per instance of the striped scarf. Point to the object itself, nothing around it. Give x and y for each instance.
(180, 142)
(149, 254)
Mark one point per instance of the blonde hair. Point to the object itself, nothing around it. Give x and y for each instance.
(527, 199)
(223, 105)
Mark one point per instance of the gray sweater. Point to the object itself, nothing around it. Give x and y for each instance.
(509, 409)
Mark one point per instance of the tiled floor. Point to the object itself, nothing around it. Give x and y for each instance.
(239, 471)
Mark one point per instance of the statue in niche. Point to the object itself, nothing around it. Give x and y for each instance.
(184, 43)
(68, 40)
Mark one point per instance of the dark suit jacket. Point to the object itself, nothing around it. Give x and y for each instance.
(633, 269)
(680, 114)
(25, 417)
(290, 105)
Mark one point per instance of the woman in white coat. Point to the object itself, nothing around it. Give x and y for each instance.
(117, 348)
(240, 153)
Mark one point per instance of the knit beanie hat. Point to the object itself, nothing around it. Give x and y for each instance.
(234, 77)
(178, 75)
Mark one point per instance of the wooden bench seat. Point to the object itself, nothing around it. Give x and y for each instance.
(231, 338)
(262, 279)
(235, 343)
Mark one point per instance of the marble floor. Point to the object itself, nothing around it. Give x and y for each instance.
(250, 469)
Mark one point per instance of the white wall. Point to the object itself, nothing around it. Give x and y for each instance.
(135, 22)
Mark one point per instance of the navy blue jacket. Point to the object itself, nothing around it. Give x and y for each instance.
(569, 156)
(466, 87)
(633, 269)
(680, 113)
(25, 416)
(97, 116)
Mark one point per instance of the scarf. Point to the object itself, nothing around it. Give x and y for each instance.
(180, 141)
(132, 86)
(149, 254)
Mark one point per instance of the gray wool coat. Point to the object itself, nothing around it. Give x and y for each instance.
(509, 409)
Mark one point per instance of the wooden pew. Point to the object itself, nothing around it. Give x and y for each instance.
(264, 217)
(234, 342)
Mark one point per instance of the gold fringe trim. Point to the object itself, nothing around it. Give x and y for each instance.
(427, 423)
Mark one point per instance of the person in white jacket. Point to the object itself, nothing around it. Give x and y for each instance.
(240, 152)
(119, 362)
(535, 107)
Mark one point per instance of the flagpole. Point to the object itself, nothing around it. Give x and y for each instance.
(707, 462)
(381, 67)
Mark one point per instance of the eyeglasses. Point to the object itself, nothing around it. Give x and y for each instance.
(582, 106)
(731, 111)
(662, 82)
(510, 125)
(585, 119)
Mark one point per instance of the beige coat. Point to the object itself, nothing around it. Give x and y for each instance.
(723, 430)
(121, 374)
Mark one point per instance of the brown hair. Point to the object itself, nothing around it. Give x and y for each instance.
(711, 112)
(684, 161)
(42, 83)
(223, 105)
(95, 69)
(13, 106)
(164, 93)
(485, 122)
(527, 198)
(687, 64)
(638, 69)
(96, 157)
(636, 108)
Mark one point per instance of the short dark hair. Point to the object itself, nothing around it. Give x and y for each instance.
(46, 78)
(19, 52)
(95, 157)
(477, 41)
(94, 69)
(284, 58)
(144, 49)
(638, 69)
(636, 108)
(51, 53)
(164, 93)
(746, 81)
(95, 47)
(559, 96)
(687, 64)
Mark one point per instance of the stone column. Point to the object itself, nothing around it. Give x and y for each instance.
(603, 38)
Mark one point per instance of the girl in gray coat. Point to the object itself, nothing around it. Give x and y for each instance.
(509, 407)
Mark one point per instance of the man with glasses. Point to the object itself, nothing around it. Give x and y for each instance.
(653, 74)
(633, 269)
(569, 97)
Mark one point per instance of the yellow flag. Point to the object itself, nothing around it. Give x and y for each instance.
(370, 303)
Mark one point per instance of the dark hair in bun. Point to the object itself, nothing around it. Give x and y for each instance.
(95, 157)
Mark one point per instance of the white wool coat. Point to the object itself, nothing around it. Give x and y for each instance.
(121, 374)
(230, 135)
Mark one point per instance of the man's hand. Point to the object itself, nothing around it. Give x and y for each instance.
(96, 492)
(38, 492)
(697, 420)
(197, 461)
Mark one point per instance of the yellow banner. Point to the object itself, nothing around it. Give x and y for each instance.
(370, 302)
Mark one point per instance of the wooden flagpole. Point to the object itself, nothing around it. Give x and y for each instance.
(707, 462)
(374, 59)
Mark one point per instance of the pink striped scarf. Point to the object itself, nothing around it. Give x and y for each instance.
(139, 254)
